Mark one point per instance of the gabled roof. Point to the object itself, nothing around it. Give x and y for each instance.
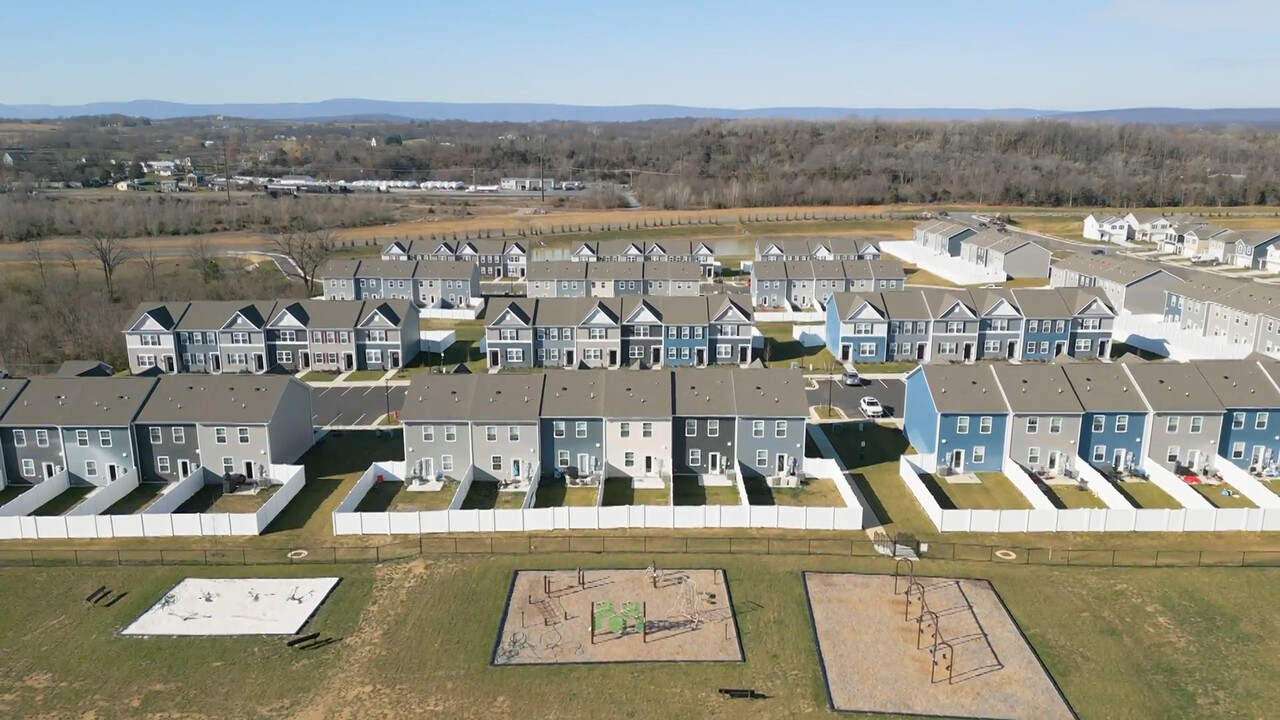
(557, 270)
(703, 392)
(78, 402)
(1041, 303)
(727, 304)
(985, 301)
(941, 302)
(573, 393)
(434, 398)
(635, 305)
(1079, 299)
(573, 311)
(673, 270)
(906, 306)
(1254, 238)
(769, 270)
(1240, 383)
(847, 304)
(964, 389)
(1124, 271)
(214, 399)
(1174, 387)
(882, 269)
(167, 315)
(441, 269)
(1037, 388)
(10, 388)
(1104, 387)
(621, 270)
(522, 309)
(319, 313)
(507, 398)
(683, 310)
(341, 268)
(80, 368)
(769, 393)
(217, 314)
(638, 395)
(394, 312)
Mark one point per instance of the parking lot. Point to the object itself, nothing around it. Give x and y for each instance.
(890, 393)
(354, 406)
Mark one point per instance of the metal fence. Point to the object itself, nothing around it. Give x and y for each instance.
(638, 545)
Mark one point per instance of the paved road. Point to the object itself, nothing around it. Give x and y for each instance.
(357, 405)
(890, 393)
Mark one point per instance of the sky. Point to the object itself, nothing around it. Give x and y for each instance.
(1041, 54)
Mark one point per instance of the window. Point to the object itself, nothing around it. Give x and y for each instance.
(557, 428)
(1044, 347)
(757, 428)
(20, 438)
(495, 463)
(624, 430)
(1099, 423)
(28, 467)
(979, 453)
(628, 459)
(242, 435)
(780, 428)
(1033, 456)
(1237, 421)
(541, 332)
(867, 349)
(1033, 425)
(239, 338)
(42, 438)
(162, 464)
(91, 468)
(288, 336)
(1172, 424)
(962, 426)
(724, 352)
(491, 433)
(984, 425)
(284, 356)
(220, 435)
(1261, 422)
(1173, 453)
(671, 332)
(690, 428)
(562, 458)
(446, 463)
(1084, 345)
(646, 429)
(513, 433)
(684, 353)
(1237, 450)
(179, 435)
(695, 457)
(450, 433)
(955, 327)
(553, 334)
(580, 430)
(671, 353)
(1122, 423)
(428, 433)
(1099, 453)
(82, 438)
(1197, 424)
(1055, 426)
(762, 458)
(596, 334)
(508, 335)
(991, 346)
(684, 332)
(713, 428)
(373, 356)
(228, 465)
(1060, 326)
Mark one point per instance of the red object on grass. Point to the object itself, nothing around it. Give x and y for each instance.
(1191, 479)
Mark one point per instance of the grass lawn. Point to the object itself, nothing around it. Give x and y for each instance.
(780, 348)
(555, 493)
(1071, 497)
(486, 496)
(11, 492)
(465, 349)
(995, 492)
(618, 491)
(818, 492)
(211, 499)
(137, 500)
(894, 367)
(365, 375)
(319, 376)
(1119, 642)
(916, 276)
(1213, 493)
(688, 491)
(396, 497)
(1147, 495)
(63, 501)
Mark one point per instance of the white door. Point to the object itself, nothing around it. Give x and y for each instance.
(1193, 459)
(1259, 456)
(1053, 460)
(184, 468)
(584, 464)
(713, 462)
(1117, 459)
(515, 467)
(427, 466)
(957, 460)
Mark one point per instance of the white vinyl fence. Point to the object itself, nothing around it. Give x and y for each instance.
(1151, 333)
(1113, 518)
(104, 497)
(38, 495)
(159, 519)
(1248, 486)
(464, 313)
(950, 268)
(789, 316)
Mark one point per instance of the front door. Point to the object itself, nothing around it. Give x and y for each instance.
(215, 362)
(1053, 460)
(1259, 457)
(428, 467)
(846, 350)
(713, 463)
(1102, 348)
(700, 356)
(568, 358)
(968, 352)
(744, 356)
(1013, 350)
(957, 460)
(1058, 348)
(394, 358)
(49, 470)
(613, 358)
(494, 357)
(184, 468)
(168, 364)
(515, 467)
(304, 358)
(1117, 459)
(656, 355)
(919, 351)
(113, 472)
(248, 469)
(584, 464)
(259, 362)
(348, 361)
(780, 463)
(648, 464)
(1193, 460)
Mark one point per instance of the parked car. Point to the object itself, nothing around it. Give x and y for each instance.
(1204, 260)
(852, 378)
(871, 407)
(1098, 252)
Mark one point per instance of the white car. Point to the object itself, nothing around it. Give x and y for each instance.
(871, 407)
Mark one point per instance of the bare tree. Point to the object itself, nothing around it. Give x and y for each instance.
(203, 257)
(111, 253)
(70, 257)
(150, 259)
(36, 254)
(306, 249)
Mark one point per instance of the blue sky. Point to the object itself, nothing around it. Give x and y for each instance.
(1064, 54)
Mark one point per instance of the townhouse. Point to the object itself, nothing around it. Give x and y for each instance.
(816, 249)
(505, 428)
(956, 417)
(771, 421)
(942, 237)
(1107, 227)
(1185, 419)
(638, 330)
(78, 425)
(1249, 396)
(1044, 416)
(638, 408)
(810, 283)
(1113, 428)
(1130, 285)
(1237, 314)
(9, 390)
(572, 424)
(1014, 254)
(1247, 248)
(254, 337)
(614, 279)
(496, 259)
(226, 424)
(704, 417)
(436, 417)
(674, 279)
(556, 279)
(428, 283)
(698, 252)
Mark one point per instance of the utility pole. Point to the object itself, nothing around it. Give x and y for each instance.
(542, 168)
(226, 168)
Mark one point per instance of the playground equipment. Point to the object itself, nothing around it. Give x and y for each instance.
(688, 603)
(929, 634)
(607, 619)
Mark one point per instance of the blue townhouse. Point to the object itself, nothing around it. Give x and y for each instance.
(857, 327)
(1251, 423)
(687, 340)
(957, 417)
(1113, 431)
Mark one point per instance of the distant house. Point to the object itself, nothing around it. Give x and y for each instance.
(527, 183)
(942, 237)
(1011, 253)
(1107, 227)
(1130, 285)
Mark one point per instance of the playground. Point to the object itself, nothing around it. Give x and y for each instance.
(617, 616)
(234, 606)
(914, 645)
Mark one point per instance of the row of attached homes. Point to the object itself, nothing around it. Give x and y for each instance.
(928, 324)
(639, 331)
(714, 423)
(495, 259)
(1113, 416)
(226, 336)
(102, 429)
(1130, 285)
(802, 249)
(808, 283)
(613, 278)
(428, 283)
(682, 251)
(1190, 237)
(1238, 313)
(989, 246)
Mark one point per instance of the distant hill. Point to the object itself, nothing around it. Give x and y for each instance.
(348, 109)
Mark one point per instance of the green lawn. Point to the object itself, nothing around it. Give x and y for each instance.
(1143, 494)
(618, 491)
(396, 497)
(781, 349)
(827, 412)
(211, 499)
(11, 492)
(1071, 497)
(465, 349)
(688, 491)
(486, 496)
(136, 501)
(64, 501)
(320, 376)
(818, 492)
(365, 375)
(995, 492)
(555, 493)
(1163, 644)
(1213, 493)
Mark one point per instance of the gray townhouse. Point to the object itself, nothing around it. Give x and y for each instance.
(228, 336)
(1044, 427)
(572, 424)
(1009, 252)
(1130, 285)
(875, 274)
(1248, 392)
(556, 326)
(955, 325)
(556, 278)
(801, 284)
(444, 284)
(808, 283)
(637, 425)
(314, 334)
(150, 337)
(436, 417)
(1235, 312)
(704, 423)
(643, 332)
(698, 252)
(509, 335)
(772, 410)
(770, 287)
(429, 283)
(674, 279)
(387, 279)
(496, 259)
(338, 279)
(1269, 332)
(816, 249)
(1000, 324)
(1185, 423)
(1188, 304)
(910, 326)
(10, 388)
(225, 424)
(80, 425)
(730, 324)
(858, 327)
(1248, 248)
(506, 428)
(607, 279)
(1198, 241)
(942, 237)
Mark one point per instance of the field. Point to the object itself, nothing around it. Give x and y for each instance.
(415, 639)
